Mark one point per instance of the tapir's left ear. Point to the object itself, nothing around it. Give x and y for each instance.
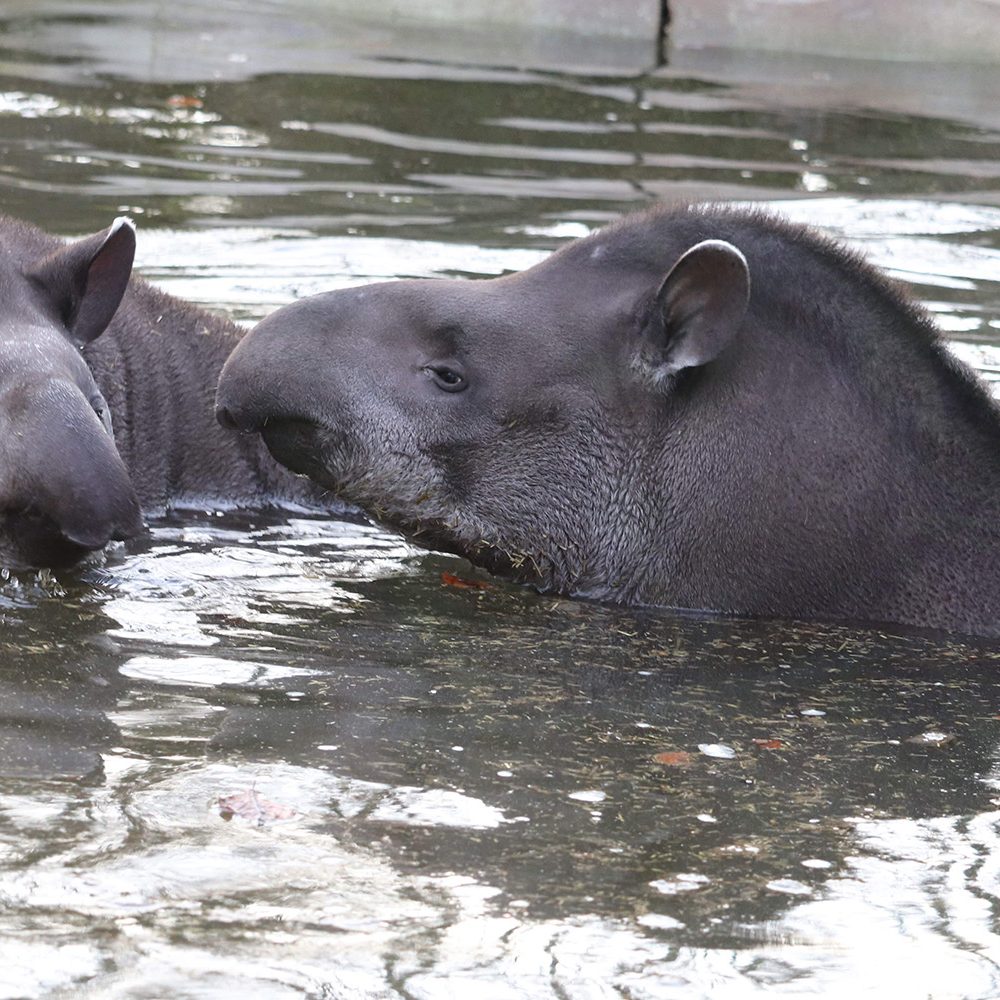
(86, 279)
(698, 308)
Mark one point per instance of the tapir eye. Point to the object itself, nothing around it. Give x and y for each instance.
(101, 409)
(446, 378)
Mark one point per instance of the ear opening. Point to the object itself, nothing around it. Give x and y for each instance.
(86, 279)
(698, 309)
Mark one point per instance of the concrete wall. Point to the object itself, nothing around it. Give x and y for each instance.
(606, 35)
(236, 39)
(912, 30)
(611, 18)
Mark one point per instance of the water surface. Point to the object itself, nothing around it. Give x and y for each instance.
(451, 788)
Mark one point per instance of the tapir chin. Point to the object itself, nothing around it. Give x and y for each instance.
(696, 407)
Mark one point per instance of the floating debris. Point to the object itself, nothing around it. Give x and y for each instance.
(184, 101)
(932, 738)
(253, 808)
(718, 750)
(450, 580)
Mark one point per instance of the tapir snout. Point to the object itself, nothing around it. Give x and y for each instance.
(65, 490)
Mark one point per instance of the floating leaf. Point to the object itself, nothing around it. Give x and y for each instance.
(719, 750)
(769, 744)
(184, 101)
(450, 580)
(673, 758)
(253, 808)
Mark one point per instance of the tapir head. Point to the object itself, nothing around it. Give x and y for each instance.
(64, 490)
(504, 420)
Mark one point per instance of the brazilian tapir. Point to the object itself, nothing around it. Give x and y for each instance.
(697, 407)
(106, 393)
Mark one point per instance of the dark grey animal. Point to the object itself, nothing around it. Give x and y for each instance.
(70, 374)
(695, 407)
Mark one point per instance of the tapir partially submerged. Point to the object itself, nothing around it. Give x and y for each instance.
(97, 426)
(696, 407)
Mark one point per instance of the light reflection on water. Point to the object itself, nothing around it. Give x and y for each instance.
(474, 795)
(473, 798)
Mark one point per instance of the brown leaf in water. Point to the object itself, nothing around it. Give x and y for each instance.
(673, 758)
(184, 101)
(450, 580)
(253, 808)
(769, 744)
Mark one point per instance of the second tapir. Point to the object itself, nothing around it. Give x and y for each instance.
(86, 353)
(697, 407)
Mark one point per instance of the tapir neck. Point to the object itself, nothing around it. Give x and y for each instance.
(813, 496)
(157, 366)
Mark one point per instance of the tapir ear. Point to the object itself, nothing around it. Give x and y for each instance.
(698, 308)
(86, 279)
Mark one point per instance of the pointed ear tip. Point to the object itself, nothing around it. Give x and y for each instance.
(724, 249)
(121, 222)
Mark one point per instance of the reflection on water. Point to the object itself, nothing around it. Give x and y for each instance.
(486, 786)
(461, 789)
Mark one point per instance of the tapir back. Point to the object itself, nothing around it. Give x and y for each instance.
(158, 364)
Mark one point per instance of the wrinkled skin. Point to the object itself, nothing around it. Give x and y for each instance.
(695, 407)
(64, 490)
(87, 351)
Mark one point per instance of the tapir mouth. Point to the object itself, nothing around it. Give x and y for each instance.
(297, 444)
(30, 539)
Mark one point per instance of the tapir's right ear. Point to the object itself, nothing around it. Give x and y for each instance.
(697, 310)
(86, 279)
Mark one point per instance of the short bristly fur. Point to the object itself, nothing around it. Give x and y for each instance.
(700, 407)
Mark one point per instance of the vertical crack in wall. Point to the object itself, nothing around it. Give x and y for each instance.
(661, 44)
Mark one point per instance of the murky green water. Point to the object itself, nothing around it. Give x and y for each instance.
(452, 790)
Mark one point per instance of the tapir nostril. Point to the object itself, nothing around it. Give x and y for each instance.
(225, 418)
(237, 418)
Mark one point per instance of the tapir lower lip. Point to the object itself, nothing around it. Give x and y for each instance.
(97, 537)
(35, 540)
(294, 443)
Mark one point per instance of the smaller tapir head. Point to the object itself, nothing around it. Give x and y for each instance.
(64, 490)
